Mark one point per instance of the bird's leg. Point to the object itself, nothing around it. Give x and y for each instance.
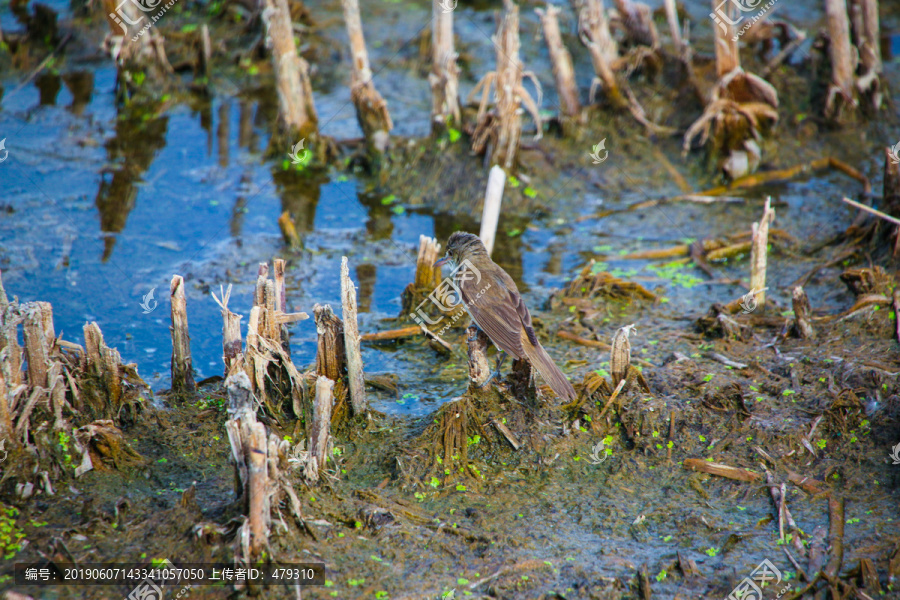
(496, 374)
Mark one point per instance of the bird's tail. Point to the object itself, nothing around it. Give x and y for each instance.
(541, 361)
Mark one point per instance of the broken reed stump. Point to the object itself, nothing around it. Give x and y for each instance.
(867, 32)
(498, 131)
(620, 354)
(50, 388)
(594, 32)
(319, 430)
(331, 356)
(232, 355)
(37, 350)
(371, 109)
(267, 363)
(842, 91)
(802, 324)
(280, 304)
(890, 203)
(638, 21)
(102, 362)
(476, 346)
(726, 46)
(740, 106)
(563, 68)
(759, 253)
(205, 53)
(182, 367)
(444, 76)
(355, 376)
(296, 108)
(247, 438)
(427, 283)
(490, 214)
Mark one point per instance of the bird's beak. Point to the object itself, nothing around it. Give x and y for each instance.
(441, 262)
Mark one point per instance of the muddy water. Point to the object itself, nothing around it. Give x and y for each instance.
(102, 205)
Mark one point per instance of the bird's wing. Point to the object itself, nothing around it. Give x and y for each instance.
(496, 311)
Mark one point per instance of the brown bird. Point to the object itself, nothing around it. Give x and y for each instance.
(493, 301)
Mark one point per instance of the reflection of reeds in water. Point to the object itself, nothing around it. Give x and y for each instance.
(133, 148)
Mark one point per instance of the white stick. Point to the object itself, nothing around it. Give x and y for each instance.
(491, 214)
(871, 210)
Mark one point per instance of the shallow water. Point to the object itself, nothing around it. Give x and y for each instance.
(101, 206)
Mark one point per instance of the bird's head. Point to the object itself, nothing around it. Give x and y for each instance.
(462, 246)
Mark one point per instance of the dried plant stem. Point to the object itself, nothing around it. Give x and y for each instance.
(330, 354)
(896, 303)
(231, 335)
(256, 451)
(320, 428)
(593, 30)
(698, 464)
(247, 438)
(444, 76)
(182, 368)
(392, 334)
(428, 276)
(103, 362)
(371, 109)
(355, 375)
(872, 211)
(490, 214)
(758, 253)
(561, 60)
(638, 21)
(499, 130)
(727, 57)
(802, 314)
(842, 56)
(37, 346)
(674, 27)
(296, 108)
(6, 425)
(835, 535)
(477, 345)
